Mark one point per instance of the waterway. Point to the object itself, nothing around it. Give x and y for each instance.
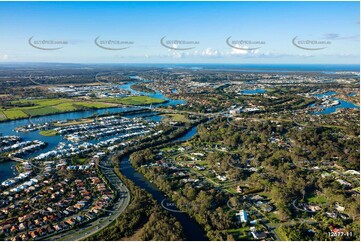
(326, 94)
(343, 104)
(332, 109)
(7, 170)
(252, 91)
(192, 230)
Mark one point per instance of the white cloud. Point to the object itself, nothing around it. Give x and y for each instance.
(243, 50)
(210, 52)
(4, 57)
(214, 53)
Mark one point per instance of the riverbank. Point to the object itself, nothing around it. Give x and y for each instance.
(142, 88)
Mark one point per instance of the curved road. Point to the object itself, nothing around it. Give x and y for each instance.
(121, 202)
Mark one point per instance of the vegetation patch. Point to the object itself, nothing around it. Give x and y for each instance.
(42, 111)
(141, 88)
(50, 132)
(134, 100)
(240, 233)
(281, 234)
(2, 116)
(66, 107)
(40, 107)
(176, 118)
(15, 114)
(93, 104)
(317, 199)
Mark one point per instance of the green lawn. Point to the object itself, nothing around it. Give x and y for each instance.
(40, 107)
(240, 233)
(48, 132)
(40, 102)
(41, 111)
(176, 118)
(15, 114)
(66, 107)
(203, 163)
(281, 234)
(2, 116)
(316, 199)
(93, 104)
(79, 161)
(133, 100)
(273, 217)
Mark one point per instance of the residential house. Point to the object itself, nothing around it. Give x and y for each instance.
(242, 216)
(258, 235)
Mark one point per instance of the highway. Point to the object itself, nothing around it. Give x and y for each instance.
(120, 204)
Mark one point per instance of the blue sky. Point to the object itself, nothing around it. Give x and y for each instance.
(206, 25)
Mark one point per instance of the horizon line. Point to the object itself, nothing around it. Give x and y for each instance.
(163, 63)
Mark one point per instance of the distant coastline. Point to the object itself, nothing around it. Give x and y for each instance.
(200, 66)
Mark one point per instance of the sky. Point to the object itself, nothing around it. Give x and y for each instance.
(181, 32)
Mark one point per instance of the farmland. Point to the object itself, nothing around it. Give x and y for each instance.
(133, 100)
(2, 116)
(15, 114)
(39, 107)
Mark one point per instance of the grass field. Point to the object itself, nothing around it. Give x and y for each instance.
(94, 104)
(39, 107)
(48, 132)
(316, 199)
(74, 122)
(273, 217)
(66, 107)
(281, 234)
(15, 114)
(41, 111)
(240, 233)
(2, 116)
(176, 118)
(133, 100)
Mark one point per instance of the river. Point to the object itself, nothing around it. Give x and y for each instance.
(192, 230)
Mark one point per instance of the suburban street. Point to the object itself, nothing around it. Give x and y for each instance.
(121, 202)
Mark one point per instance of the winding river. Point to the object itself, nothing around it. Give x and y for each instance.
(192, 230)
